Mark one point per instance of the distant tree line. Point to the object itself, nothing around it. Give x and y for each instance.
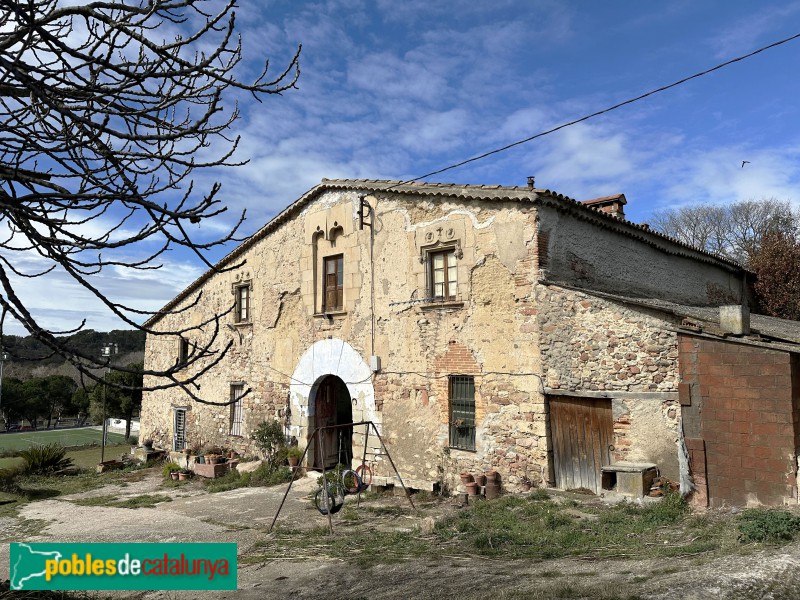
(44, 401)
(761, 235)
(86, 342)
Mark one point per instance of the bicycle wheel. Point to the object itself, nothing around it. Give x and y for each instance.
(364, 473)
(351, 482)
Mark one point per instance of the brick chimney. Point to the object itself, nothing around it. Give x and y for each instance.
(612, 205)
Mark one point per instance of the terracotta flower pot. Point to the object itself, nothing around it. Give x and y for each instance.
(174, 476)
(480, 479)
(492, 490)
(467, 478)
(183, 476)
(293, 461)
(472, 488)
(491, 475)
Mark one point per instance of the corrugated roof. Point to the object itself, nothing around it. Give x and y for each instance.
(449, 190)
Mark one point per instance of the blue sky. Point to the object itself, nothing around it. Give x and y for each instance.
(397, 89)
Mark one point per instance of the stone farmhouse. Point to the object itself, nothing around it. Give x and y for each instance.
(482, 327)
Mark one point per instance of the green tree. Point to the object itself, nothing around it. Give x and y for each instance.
(80, 404)
(122, 396)
(58, 390)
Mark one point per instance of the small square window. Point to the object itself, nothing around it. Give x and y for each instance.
(462, 412)
(237, 409)
(333, 283)
(242, 309)
(442, 274)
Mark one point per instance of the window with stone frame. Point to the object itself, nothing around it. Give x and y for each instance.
(237, 408)
(442, 274)
(461, 400)
(333, 283)
(242, 308)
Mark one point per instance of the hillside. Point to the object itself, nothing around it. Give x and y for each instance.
(29, 358)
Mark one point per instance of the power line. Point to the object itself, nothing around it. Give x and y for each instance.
(598, 113)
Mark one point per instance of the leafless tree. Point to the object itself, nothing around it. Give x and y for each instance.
(107, 109)
(734, 231)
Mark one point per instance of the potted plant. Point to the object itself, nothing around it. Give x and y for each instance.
(184, 474)
(526, 483)
(170, 471)
(293, 455)
(148, 445)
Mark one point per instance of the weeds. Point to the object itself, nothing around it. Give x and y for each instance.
(767, 526)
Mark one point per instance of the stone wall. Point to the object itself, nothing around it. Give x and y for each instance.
(601, 348)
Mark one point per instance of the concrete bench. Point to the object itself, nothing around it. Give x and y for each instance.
(629, 478)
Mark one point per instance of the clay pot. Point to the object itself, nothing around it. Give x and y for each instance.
(491, 476)
(174, 476)
(293, 461)
(526, 487)
(212, 459)
(492, 490)
(480, 479)
(183, 476)
(472, 488)
(466, 478)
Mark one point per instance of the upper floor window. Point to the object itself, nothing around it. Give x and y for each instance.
(242, 309)
(333, 283)
(442, 270)
(183, 352)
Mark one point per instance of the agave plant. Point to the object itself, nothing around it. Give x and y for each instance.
(45, 459)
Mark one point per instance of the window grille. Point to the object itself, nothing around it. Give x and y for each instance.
(179, 436)
(462, 412)
(237, 391)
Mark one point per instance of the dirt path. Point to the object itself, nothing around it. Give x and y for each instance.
(243, 516)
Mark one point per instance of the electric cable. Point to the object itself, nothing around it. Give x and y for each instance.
(597, 113)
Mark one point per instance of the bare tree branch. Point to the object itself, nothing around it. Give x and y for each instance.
(103, 121)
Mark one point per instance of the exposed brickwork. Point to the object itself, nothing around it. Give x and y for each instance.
(742, 405)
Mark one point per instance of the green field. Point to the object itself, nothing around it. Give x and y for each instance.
(66, 437)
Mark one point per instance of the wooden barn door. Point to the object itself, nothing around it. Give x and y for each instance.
(582, 432)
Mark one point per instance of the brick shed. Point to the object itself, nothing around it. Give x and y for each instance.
(741, 419)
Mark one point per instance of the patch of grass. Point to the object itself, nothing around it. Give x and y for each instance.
(550, 574)
(143, 501)
(265, 475)
(89, 457)
(361, 546)
(772, 526)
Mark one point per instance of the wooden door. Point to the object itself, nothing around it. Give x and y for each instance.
(325, 415)
(582, 432)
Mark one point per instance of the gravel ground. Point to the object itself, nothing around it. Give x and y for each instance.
(244, 515)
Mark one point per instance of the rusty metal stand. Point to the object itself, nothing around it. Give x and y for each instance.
(314, 436)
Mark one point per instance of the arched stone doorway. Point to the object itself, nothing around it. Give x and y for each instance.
(332, 406)
(337, 358)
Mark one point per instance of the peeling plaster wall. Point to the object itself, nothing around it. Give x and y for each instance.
(514, 335)
(488, 332)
